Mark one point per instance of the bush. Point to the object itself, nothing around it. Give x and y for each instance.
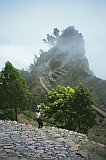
(48, 121)
(9, 114)
(71, 109)
(28, 113)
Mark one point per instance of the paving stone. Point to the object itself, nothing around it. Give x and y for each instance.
(27, 142)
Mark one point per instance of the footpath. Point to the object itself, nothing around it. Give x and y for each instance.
(24, 142)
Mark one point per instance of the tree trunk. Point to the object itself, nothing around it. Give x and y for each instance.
(16, 113)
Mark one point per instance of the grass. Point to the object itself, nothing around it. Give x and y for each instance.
(98, 135)
(95, 150)
(27, 120)
(98, 132)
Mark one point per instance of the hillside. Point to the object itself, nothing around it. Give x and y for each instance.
(65, 63)
(19, 141)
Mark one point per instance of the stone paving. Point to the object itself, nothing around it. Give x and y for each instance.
(21, 142)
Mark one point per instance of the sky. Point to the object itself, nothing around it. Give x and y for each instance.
(24, 24)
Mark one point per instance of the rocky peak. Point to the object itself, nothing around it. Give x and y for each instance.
(69, 49)
(71, 42)
(65, 63)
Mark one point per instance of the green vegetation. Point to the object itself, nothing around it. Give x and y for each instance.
(98, 132)
(64, 64)
(28, 114)
(66, 107)
(67, 52)
(70, 109)
(14, 95)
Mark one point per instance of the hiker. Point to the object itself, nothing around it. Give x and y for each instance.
(38, 106)
(38, 117)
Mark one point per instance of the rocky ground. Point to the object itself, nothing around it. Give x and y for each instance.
(21, 142)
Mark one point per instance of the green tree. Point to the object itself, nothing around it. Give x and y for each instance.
(82, 106)
(15, 93)
(59, 105)
(71, 109)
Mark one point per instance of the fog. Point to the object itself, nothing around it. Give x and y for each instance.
(24, 23)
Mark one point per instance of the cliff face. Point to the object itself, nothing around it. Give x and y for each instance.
(68, 50)
(65, 63)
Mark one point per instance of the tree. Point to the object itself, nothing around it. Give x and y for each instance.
(71, 109)
(56, 32)
(15, 93)
(82, 105)
(51, 39)
(59, 104)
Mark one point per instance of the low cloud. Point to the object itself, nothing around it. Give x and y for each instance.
(21, 56)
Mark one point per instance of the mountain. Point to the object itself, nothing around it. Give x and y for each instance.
(65, 63)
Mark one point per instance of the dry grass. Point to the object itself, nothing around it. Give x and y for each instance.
(23, 119)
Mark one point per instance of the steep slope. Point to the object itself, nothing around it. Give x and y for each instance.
(65, 63)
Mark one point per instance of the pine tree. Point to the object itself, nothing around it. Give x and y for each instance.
(15, 93)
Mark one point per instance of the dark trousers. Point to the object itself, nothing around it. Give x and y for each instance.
(40, 123)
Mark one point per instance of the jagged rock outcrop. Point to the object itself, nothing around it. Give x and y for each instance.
(65, 63)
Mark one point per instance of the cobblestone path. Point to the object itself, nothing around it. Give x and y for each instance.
(21, 142)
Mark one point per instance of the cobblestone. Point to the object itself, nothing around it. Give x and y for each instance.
(25, 142)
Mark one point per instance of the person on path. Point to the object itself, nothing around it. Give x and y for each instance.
(38, 117)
